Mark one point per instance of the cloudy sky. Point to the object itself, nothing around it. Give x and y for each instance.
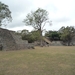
(61, 12)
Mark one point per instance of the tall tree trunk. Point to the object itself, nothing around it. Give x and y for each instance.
(41, 39)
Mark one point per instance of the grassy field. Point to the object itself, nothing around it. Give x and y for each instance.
(40, 61)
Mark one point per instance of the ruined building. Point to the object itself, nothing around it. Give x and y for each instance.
(9, 40)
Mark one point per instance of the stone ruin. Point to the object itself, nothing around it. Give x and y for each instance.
(9, 40)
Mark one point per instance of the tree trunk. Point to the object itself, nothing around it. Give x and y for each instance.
(68, 43)
(41, 40)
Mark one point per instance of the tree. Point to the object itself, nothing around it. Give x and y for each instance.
(53, 35)
(67, 33)
(30, 36)
(37, 19)
(35, 35)
(24, 32)
(5, 14)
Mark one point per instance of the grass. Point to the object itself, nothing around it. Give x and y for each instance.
(52, 60)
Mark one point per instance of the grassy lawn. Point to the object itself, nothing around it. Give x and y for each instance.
(40, 61)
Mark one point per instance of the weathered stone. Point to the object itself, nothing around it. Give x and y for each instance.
(11, 41)
(7, 40)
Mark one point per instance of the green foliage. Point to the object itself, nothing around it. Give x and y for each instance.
(67, 33)
(53, 35)
(25, 35)
(35, 35)
(30, 36)
(36, 18)
(24, 32)
(5, 14)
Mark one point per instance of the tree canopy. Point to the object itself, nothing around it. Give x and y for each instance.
(67, 34)
(53, 35)
(64, 34)
(5, 13)
(30, 36)
(37, 19)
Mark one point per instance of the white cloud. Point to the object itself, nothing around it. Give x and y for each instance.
(61, 12)
(21, 28)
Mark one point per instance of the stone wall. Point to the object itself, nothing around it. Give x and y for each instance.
(6, 40)
(56, 43)
(22, 44)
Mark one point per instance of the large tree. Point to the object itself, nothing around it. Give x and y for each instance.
(67, 34)
(5, 14)
(37, 19)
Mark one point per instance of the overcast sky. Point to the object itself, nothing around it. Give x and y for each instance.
(61, 12)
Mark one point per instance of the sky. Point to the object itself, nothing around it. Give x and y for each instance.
(61, 13)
